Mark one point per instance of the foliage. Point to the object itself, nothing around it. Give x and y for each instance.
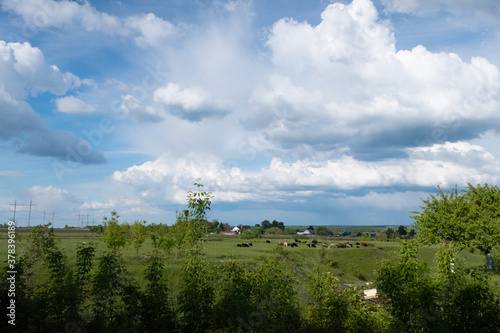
(451, 301)
(253, 233)
(196, 296)
(411, 291)
(115, 235)
(139, 233)
(156, 314)
(465, 220)
(275, 224)
(402, 230)
(322, 231)
(274, 231)
(341, 310)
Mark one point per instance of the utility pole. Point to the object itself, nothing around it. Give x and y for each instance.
(15, 209)
(87, 219)
(78, 220)
(29, 216)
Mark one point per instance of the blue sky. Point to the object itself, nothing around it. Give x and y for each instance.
(307, 112)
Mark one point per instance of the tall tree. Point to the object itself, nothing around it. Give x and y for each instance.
(470, 219)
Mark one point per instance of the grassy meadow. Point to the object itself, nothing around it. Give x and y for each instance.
(355, 266)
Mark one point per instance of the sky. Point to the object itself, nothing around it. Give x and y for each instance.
(309, 112)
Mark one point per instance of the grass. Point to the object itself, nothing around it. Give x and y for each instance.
(351, 265)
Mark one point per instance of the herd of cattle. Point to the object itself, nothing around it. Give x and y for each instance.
(314, 243)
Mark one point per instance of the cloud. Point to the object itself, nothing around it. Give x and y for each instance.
(193, 103)
(146, 29)
(131, 106)
(441, 164)
(10, 173)
(482, 8)
(71, 104)
(153, 30)
(342, 83)
(24, 72)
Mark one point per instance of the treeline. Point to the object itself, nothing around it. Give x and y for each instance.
(98, 294)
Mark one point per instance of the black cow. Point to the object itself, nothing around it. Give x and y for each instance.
(267, 241)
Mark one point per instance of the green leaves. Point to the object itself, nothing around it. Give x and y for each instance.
(470, 219)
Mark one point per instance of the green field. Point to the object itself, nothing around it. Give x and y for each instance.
(351, 265)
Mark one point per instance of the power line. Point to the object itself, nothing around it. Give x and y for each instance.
(15, 204)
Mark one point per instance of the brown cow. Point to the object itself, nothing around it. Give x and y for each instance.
(286, 243)
(324, 245)
(280, 243)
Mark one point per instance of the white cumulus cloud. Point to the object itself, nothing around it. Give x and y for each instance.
(71, 104)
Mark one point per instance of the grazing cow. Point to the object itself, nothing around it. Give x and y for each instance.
(238, 245)
(357, 246)
(267, 241)
(250, 244)
(308, 245)
(380, 247)
(294, 245)
(245, 245)
(324, 245)
(313, 245)
(348, 244)
(286, 243)
(333, 245)
(280, 243)
(357, 243)
(315, 241)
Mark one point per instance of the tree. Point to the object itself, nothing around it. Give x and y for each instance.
(265, 224)
(115, 235)
(402, 230)
(390, 232)
(322, 231)
(470, 219)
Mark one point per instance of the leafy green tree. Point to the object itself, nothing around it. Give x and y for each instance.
(470, 219)
(322, 231)
(337, 309)
(389, 233)
(274, 231)
(115, 235)
(402, 230)
(197, 294)
(266, 224)
(139, 234)
(409, 289)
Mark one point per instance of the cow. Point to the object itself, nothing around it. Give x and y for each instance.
(313, 245)
(238, 245)
(348, 244)
(297, 240)
(357, 243)
(250, 244)
(294, 245)
(280, 243)
(286, 243)
(324, 245)
(308, 245)
(380, 247)
(268, 241)
(315, 241)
